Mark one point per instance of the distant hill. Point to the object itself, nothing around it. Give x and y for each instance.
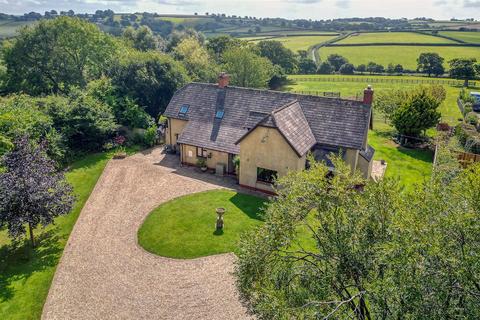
(212, 24)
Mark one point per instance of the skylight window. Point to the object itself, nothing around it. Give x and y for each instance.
(219, 114)
(183, 110)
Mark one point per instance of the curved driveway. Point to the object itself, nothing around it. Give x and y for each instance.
(104, 274)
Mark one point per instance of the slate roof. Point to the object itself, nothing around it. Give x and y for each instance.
(333, 122)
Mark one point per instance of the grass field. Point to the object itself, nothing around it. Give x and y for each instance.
(449, 109)
(296, 43)
(404, 55)
(470, 37)
(10, 28)
(26, 274)
(393, 37)
(193, 234)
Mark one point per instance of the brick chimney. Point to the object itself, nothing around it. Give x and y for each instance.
(368, 96)
(223, 80)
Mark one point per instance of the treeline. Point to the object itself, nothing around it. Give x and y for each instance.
(429, 63)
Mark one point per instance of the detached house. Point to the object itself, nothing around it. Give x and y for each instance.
(271, 131)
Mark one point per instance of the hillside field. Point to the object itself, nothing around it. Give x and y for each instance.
(469, 37)
(449, 109)
(296, 43)
(404, 55)
(393, 37)
(9, 28)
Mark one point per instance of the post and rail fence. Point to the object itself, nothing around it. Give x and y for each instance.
(319, 93)
(372, 80)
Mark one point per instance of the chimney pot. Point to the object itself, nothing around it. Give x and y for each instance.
(368, 96)
(223, 80)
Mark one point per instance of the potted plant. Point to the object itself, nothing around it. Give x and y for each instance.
(202, 164)
(121, 153)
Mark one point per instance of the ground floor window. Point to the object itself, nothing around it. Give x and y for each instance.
(201, 152)
(266, 175)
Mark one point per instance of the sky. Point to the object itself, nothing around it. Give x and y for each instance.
(308, 9)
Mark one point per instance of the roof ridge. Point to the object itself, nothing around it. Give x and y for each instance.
(295, 94)
(285, 106)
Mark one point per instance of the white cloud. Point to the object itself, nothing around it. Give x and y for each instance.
(472, 4)
(309, 9)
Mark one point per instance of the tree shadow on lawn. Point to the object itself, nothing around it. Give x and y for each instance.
(250, 205)
(20, 261)
(424, 155)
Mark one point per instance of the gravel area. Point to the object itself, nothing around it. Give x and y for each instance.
(104, 274)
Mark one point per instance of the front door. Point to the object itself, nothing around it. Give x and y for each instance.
(230, 165)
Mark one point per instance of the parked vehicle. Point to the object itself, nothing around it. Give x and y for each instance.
(476, 104)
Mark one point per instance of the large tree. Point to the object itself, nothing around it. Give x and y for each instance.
(278, 55)
(331, 249)
(54, 55)
(430, 63)
(149, 78)
(196, 59)
(337, 61)
(347, 68)
(143, 39)
(246, 68)
(463, 69)
(416, 114)
(218, 45)
(32, 192)
(306, 66)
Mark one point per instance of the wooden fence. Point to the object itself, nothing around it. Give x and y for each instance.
(320, 93)
(466, 159)
(384, 80)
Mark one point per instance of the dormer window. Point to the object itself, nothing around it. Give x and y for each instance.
(219, 114)
(183, 110)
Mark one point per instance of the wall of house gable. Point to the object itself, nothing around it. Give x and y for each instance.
(365, 167)
(266, 148)
(175, 127)
(351, 158)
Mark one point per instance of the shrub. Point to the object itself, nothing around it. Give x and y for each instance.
(21, 116)
(417, 114)
(467, 108)
(85, 122)
(472, 118)
(201, 162)
(150, 136)
(469, 137)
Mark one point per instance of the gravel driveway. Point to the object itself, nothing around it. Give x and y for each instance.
(104, 274)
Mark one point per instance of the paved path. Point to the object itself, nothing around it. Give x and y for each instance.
(104, 274)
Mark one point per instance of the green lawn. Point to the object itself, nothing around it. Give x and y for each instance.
(410, 166)
(404, 55)
(470, 37)
(393, 37)
(26, 274)
(185, 227)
